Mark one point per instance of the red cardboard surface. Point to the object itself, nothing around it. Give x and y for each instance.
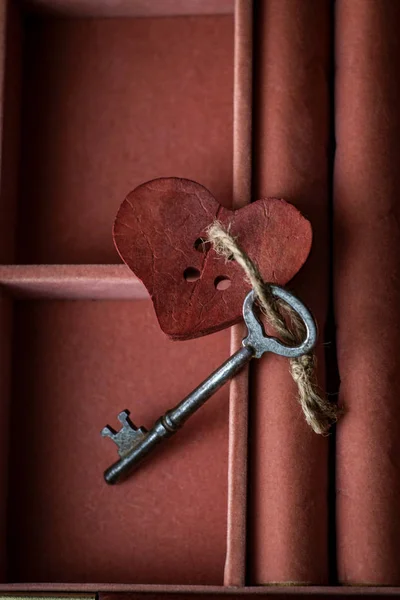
(367, 290)
(288, 462)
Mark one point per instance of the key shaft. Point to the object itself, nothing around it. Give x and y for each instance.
(173, 419)
(134, 444)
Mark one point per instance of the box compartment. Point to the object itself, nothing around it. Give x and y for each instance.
(92, 107)
(76, 364)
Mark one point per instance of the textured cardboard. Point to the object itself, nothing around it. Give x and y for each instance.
(235, 564)
(76, 365)
(288, 462)
(129, 8)
(95, 125)
(107, 105)
(367, 290)
(88, 85)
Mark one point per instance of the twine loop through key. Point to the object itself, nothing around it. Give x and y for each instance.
(319, 413)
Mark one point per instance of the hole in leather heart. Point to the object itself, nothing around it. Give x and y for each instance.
(222, 283)
(191, 274)
(202, 245)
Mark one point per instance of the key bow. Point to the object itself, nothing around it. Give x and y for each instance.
(261, 343)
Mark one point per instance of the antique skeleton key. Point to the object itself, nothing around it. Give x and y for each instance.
(134, 444)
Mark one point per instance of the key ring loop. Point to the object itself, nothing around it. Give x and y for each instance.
(262, 343)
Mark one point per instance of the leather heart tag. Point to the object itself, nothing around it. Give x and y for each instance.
(159, 233)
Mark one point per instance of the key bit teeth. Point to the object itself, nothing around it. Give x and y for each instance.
(124, 419)
(108, 431)
(128, 436)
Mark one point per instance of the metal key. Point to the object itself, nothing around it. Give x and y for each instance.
(134, 444)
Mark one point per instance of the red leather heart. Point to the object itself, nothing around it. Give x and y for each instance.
(158, 231)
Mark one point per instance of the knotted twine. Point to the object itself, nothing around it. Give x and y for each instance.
(319, 413)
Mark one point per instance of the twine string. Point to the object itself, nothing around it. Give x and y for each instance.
(319, 413)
